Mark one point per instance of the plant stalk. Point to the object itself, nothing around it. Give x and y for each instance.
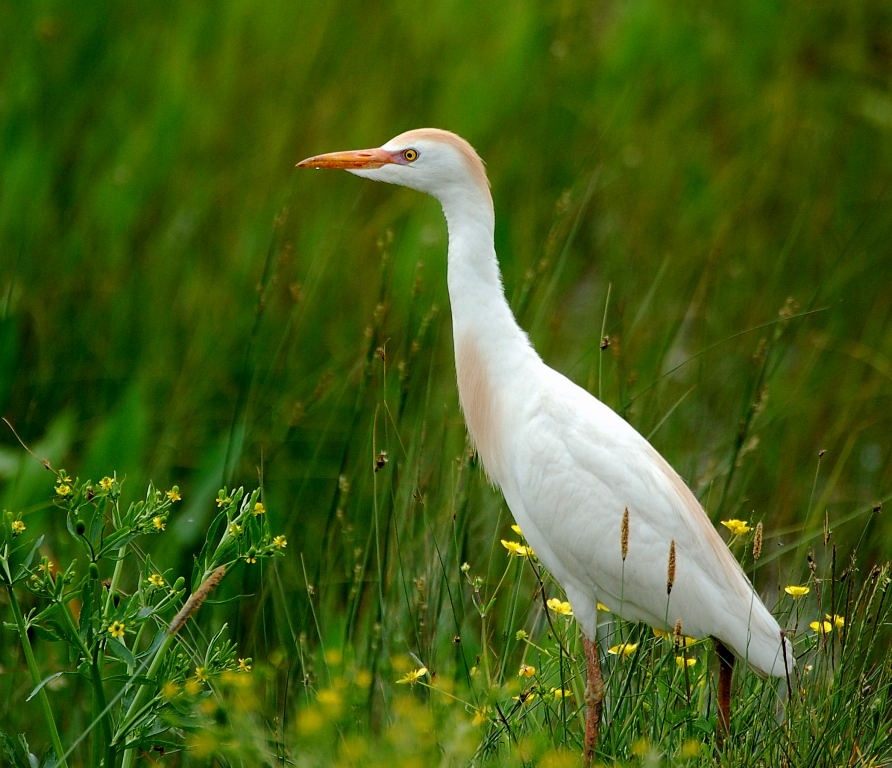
(36, 678)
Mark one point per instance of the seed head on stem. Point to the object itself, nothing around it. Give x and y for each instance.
(677, 636)
(624, 534)
(670, 569)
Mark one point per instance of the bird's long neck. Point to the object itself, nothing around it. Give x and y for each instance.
(491, 351)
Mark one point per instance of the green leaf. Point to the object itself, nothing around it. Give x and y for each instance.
(116, 648)
(14, 567)
(42, 683)
(16, 753)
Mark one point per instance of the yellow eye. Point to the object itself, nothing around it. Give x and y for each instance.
(410, 155)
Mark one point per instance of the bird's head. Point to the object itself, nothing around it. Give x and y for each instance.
(427, 159)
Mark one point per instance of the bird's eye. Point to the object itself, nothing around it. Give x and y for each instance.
(410, 155)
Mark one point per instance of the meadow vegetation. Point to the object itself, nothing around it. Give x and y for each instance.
(240, 523)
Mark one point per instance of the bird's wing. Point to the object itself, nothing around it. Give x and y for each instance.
(578, 466)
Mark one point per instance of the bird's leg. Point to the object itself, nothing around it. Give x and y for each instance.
(594, 696)
(726, 668)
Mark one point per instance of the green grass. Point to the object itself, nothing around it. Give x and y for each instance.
(707, 187)
(405, 659)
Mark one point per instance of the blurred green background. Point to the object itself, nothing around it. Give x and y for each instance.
(179, 304)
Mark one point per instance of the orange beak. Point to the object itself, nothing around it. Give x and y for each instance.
(351, 159)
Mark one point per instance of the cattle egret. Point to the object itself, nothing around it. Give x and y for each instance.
(605, 513)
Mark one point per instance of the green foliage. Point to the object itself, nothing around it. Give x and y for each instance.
(113, 644)
(506, 689)
(692, 223)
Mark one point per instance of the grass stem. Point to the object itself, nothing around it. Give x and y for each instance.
(34, 669)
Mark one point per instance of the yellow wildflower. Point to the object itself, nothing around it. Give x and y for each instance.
(106, 483)
(517, 530)
(235, 529)
(516, 548)
(561, 693)
(173, 494)
(640, 747)
(259, 509)
(63, 489)
(159, 522)
(737, 527)
(170, 689)
(796, 592)
(821, 627)
(413, 676)
(223, 499)
(691, 748)
(310, 720)
(683, 662)
(244, 665)
(18, 527)
(201, 674)
(280, 542)
(481, 716)
(251, 558)
(526, 697)
(526, 670)
(329, 698)
(838, 621)
(116, 629)
(156, 580)
(601, 607)
(362, 678)
(623, 650)
(560, 606)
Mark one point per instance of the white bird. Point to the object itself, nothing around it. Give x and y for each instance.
(569, 467)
